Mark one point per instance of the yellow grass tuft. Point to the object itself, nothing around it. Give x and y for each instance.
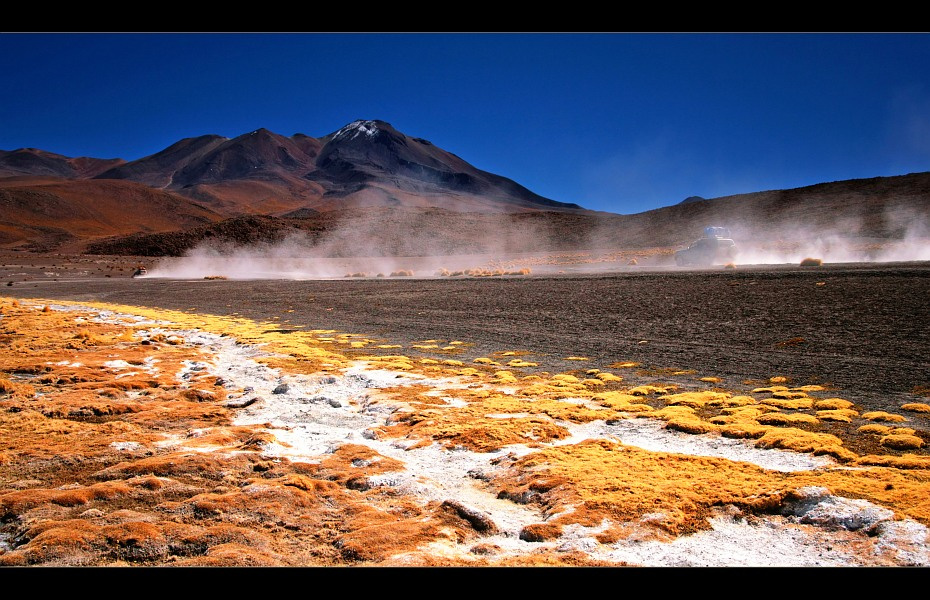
(918, 407)
(781, 419)
(695, 399)
(788, 395)
(880, 415)
(844, 415)
(811, 262)
(876, 429)
(832, 404)
(517, 362)
(623, 365)
(808, 442)
(645, 390)
(900, 441)
(789, 404)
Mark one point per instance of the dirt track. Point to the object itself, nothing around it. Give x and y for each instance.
(860, 328)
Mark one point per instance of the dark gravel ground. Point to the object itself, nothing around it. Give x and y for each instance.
(860, 328)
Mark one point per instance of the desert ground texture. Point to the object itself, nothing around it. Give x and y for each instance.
(543, 414)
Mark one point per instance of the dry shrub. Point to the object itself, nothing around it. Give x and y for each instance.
(899, 441)
(799, 404)
(880, 415)
(876, 429)
(16, 389)
(781, 419)
(844, 415)
(72, 543)
(565, 377)
(743, 430)
(918, 407)
(805, 441)
(833, 404)
(380, 541)
(908, 461)
(19, 501)
(540, 532)
(690, 424)
(788, 394)
(232, 555)
(811, 262)
(517, 362)
(609, 377)
(696, 399)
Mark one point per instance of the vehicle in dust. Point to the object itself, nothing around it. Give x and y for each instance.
(716, 247)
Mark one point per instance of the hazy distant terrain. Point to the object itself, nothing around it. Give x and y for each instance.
(369, 190)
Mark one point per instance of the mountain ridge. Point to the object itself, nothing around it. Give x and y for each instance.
(370, 174)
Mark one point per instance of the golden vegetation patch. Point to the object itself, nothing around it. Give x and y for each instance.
(880, 415)
(832, 404)
(846, 415)
(93, 422)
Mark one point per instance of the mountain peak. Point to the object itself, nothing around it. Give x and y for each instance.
(368, 128)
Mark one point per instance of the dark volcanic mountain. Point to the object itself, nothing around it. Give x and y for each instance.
(370, 188)
(366, 163)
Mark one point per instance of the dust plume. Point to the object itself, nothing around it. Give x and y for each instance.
(428, 242)
(904, 236)
(382, 243)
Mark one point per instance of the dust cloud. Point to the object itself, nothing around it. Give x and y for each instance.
(433, 244)
(414, 244)
(910, 241)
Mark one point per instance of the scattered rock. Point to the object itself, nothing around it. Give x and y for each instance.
(241, 402)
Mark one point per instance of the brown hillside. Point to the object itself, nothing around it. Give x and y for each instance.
(43, 214)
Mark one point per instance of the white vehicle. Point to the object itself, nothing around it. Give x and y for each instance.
(715, 248)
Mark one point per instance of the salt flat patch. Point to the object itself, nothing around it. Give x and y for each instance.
(116, 364)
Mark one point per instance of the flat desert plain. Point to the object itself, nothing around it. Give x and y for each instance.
(751, 415)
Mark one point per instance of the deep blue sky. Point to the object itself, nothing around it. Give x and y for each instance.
(621, 122)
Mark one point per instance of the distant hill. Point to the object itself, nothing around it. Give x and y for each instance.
(370, 188)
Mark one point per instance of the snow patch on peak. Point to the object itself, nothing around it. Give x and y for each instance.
(357, 128)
